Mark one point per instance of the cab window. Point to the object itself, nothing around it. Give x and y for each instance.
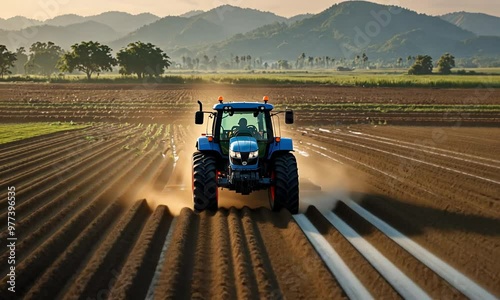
(243, 123)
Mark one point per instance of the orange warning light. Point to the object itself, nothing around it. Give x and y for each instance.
(221, 99)
(266, 98)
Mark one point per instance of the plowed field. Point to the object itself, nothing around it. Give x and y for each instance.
(386, 211)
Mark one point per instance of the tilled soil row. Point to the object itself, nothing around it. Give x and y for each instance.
(70, 166)
(354, 117)
(225, 254)
(77, 235)
(454, 215)
(74, 171)
(167, 103)
(412, 166)
(30, 153)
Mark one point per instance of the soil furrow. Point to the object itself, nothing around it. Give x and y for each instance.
(267, 283)
(48, 286)
(175, 281)
(297, 267)
(82, 164)
(101, 272)
(54, 154)
(201, 281)
(139, 268)
(223, 283)
(244, 273)
(369, 277)
(418, 272)
(43, 207)
(127, 178)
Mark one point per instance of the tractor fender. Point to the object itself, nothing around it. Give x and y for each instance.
(202, 144)
(285, 145)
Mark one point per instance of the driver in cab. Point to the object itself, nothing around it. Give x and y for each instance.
(244, 129)
(242, 126)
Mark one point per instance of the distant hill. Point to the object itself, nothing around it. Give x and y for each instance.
(298, 18)
(61, 36)
(173, 32)
(236, 20)
(480, 24)
(483, 45)
(207, 27)
(121, 22)
(192, 13)
(65, 20)
(124, 22)
(341, 31)
(17, 23)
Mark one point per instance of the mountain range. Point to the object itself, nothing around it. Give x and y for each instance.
(344, 30)
(480, 24)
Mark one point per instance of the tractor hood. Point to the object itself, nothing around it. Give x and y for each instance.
(243, 144)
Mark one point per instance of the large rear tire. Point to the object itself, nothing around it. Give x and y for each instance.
(205, 191)
(284, 191)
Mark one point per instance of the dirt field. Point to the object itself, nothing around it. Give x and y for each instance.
(167, 103)
(84, 233)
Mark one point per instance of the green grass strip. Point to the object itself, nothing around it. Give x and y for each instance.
(16, 132)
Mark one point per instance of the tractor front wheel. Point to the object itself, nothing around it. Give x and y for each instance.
(284, 191)
(205, 191)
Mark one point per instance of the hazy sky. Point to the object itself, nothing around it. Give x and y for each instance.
(43, 9)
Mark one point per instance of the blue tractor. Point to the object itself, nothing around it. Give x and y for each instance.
(244, 152)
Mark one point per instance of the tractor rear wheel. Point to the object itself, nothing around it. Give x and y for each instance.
(284, 191)
(205, 191)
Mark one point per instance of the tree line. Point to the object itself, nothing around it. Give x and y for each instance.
(141, 59)
(423, 65)
(145, 59)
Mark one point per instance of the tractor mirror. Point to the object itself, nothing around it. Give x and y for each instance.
(198, 118)
(289, 117)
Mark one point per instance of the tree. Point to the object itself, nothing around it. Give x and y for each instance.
(214, 63)
(409, 59)
(44, 58)
(283, 64)
(422, 65)
(446, 63)
(143, 59)
(22, 59)
(89, 58)
(249, 61)
(237, 61)
(206, 60)
(399, 61)
(7, 60)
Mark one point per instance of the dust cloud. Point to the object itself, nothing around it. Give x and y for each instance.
(323, 183)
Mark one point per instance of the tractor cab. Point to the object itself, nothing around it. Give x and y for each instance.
(251, 120)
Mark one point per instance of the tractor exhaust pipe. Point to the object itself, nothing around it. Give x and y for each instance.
(201, 105)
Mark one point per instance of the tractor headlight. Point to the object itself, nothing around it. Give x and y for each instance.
(254, 154)
(234, 154)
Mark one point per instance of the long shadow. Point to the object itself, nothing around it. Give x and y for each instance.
(413, 219)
